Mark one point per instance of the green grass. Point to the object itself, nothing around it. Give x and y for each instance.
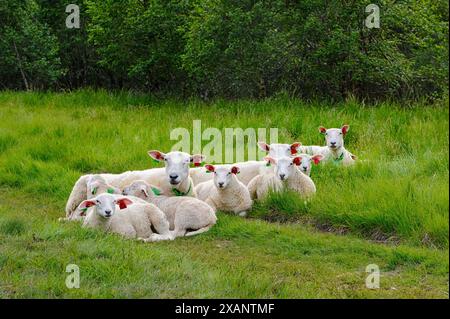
(398, 195)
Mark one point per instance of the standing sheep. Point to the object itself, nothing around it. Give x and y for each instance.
(225, 192)
(285, 175)
(187, 216)
(135, 221)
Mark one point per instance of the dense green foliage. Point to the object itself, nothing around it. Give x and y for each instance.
(398, 195)
(229, 48)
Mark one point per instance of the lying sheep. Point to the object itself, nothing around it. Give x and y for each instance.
(173, 179)
(96, 185)
(80, 212)
(334, 151)
(248, 170)
(135, 221)
(285, 175)
(306, 162)
(225, 192)
(187, 216)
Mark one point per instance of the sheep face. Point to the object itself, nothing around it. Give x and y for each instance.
(177, 164)
(307, 161)
(334, 137)
(140, 189)
(284, 166)
(223, 175)
(97, 184)
(105, 204)
(279, 150)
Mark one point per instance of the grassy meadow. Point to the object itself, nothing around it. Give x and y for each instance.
(391, 209)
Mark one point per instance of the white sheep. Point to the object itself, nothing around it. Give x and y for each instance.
(285, 175)
(307, 161)
(248, 170)
(187, 216)
(177, 165)
(334, 151)
(225, 192)
(97, 185)
(133, 221)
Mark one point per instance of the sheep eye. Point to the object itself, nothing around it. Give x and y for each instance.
(98, 202)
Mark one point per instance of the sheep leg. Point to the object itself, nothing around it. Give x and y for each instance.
(198, 231)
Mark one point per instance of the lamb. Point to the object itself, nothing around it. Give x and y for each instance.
(306, 160)
(334, 151)
(97, 185)
(135, 221)
(248, 170)
(225, 192)
(187, 216)
(177, 165)
(285, 175)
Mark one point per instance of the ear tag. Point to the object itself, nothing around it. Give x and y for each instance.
(208, 172)
(83, 211)
(156, 191)
(155, 161)
(94, 191)
(110, 191)
(122, 205)
(197, 164)
(268, 164)
(293, 150)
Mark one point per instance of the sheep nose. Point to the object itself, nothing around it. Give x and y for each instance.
(173, 176)
(282, 176)
(221, 184)
(333, 143)
(108, 212)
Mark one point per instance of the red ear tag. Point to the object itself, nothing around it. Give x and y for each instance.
(293, 150)
(122, 204)
(197, 164)
(316, 160)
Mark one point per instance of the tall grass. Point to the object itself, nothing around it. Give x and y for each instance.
(398, 190)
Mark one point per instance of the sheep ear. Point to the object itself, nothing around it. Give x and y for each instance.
(264, 146)
(157, 155)
(210, 168)
(123, 202)
(270, 160)
(235, 170)
(322, 130)
(197, 159)
(297, 160)
(144, 191)
(85, 204)
(94, 187)
(294, 147)
(345, 129)
(317, 158)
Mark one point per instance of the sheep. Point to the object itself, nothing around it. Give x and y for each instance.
(225, 192)
(248, 170)
(80, 212)
(306, 160)
(135, 221)
(97, 185)
(285, 175)
(177, 164)
(334, 151)
(187, 216)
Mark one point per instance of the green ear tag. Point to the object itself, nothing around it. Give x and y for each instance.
(94, 191)
(268, 164)
(110, 191)
(208, 172)
(155, 161)
(156, 191)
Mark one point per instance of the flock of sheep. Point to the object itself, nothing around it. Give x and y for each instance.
(176, 201)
